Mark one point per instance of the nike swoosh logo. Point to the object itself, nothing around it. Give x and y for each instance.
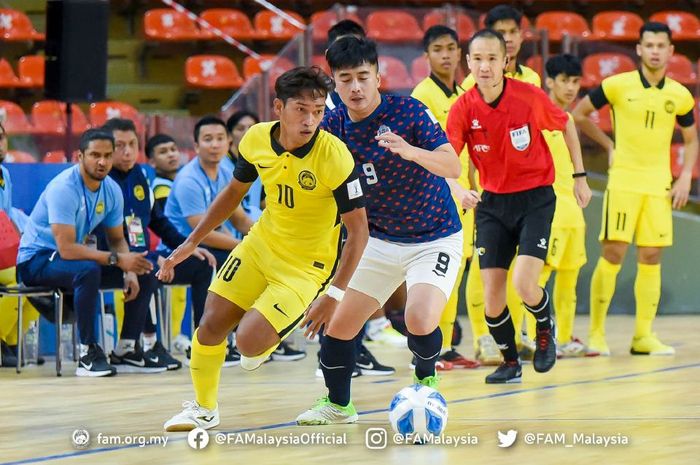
(140, 363)
(263, 167)
(277, 307)
(87, 367)
(207, 419)
(155, 359)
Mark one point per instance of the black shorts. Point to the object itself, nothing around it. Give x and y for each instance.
(506, 222)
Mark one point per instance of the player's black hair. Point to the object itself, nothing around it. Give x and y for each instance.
(502, 13)
(94, 134)
(435, 32)
(119, 124)
(155, 141)
(346, 27)
(302, 79)
(206, 121)
(565, 63)
(488, 34)
(233, 120)
(351, 52)
(655, 27)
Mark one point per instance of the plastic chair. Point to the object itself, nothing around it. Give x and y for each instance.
(234, 23)
(464, 24)
(31, 71)
(558, 23)
(683, 25)
(525, 26)
(602, 119)
(598, 66)
(212, 72)
(420, 69)
(251, 66)
(7, 74)
(18, 156)
(616, 25)
(394, 75)
(535, 62)
(49, 117)
(14, 119)
(322, 21)
(269, 26)
(100, 112)
(681, 69)
(16, 26)
(166, 24)
(393, 26)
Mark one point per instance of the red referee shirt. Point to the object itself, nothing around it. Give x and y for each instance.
(506, 143)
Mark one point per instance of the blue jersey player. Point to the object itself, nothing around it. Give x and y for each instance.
(403, 157)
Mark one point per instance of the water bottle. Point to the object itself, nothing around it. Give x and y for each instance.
(31, 344)
(67, 341)
(110, 333)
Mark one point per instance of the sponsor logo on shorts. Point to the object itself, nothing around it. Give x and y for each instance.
(481, 251)
(542, 244)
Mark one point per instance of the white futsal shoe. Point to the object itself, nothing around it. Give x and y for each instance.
(193, 416)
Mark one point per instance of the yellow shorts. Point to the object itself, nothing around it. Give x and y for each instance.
(567, 248)
(253, 276)
(627, 215)
(467, 218)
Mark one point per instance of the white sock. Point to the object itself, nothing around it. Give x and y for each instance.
(378, 324)
(149, 340)
(252, 363)
(84, 350)
(124, 346)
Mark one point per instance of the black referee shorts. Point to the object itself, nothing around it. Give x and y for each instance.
(509, 222)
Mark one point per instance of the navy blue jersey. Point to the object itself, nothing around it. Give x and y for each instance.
(405, 202)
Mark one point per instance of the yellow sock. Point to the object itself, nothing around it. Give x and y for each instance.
(119, 310)
(205, 369)
(602, 291)
(647, 292)
(178, 302)
(564, 300)
(475, 303)
(449, 314)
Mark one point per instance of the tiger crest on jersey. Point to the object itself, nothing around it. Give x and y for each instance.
(307, 180)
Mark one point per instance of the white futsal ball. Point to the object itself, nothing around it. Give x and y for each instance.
(417, 411)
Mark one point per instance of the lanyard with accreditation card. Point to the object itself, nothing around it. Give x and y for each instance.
(90, 240)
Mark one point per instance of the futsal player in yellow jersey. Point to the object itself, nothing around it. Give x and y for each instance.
(291, 254)
(567, 240)
(438, 92)
(506, 20)
(646, 105)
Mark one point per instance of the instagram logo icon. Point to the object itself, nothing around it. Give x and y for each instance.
(376, 438)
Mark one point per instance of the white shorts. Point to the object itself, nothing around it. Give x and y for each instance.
(385, 265)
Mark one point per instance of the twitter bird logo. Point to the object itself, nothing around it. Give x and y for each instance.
(507, 439)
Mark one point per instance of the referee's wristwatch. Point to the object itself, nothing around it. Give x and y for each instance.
(113, 259)
(582, 174)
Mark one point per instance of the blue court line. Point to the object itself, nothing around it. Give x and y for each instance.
(79, 453)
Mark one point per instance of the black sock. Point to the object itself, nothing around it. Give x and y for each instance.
(503, 332)
(338, 363)
(426, 348)
(542, 312)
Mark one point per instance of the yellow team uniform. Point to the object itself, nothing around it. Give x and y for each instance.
(475, 285)
(636, 203)
(291, 252)
(439, 98)
(567, 240)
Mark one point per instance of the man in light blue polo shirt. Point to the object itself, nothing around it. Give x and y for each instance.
(58, 247)
(197, 184)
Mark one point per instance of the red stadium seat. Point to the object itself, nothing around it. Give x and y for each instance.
(269, 26)
(393, 26)
(31, 71)
(683, 25)
(322, 21)
(16, 26)
(212, 72)
(558, 23)
(677, 151)
(394, 75)
(681, 69)
(18, 156)
(100, 112)
(535, 62)
(166, 24)
(464, 24)
(320, 61)
(234, 23)
(7, 74)
(525, 26)
(252, 67)
(14, 119)
(420, 69)
(602, 119)
(616, 25)
(55, 156)
(49, 117)
(598, 66)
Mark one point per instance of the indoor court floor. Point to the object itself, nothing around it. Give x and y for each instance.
(613, 410)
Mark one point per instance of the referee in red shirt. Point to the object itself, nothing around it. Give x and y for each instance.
(501, 121)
